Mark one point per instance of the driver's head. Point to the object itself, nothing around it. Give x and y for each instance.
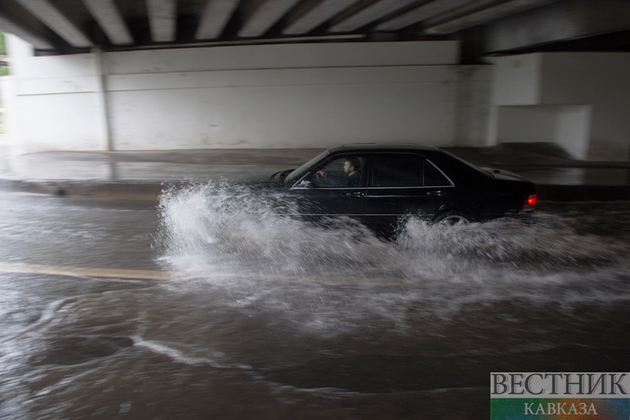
(351, 165)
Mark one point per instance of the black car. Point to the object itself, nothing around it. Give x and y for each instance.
(379, 184)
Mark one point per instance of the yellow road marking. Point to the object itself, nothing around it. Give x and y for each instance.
(85, 271)
(53, 270)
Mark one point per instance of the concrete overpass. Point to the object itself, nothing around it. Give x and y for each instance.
(168, 74)
(484, 26)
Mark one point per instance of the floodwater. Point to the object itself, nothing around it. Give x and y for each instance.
(273, 318)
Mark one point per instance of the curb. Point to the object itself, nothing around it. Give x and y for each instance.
(132, 190)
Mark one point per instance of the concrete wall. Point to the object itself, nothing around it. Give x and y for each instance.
(55, 101)
(527, 124)
(315, 95)
(567, 126)
(580, 101)
(572, 129)
(309, 95)
(282, 107)
(516, 80)
(600, 80)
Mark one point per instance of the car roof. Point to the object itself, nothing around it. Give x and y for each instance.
(371, 147)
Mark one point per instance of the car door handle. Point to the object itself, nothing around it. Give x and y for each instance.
(355, 194)
(435, 193)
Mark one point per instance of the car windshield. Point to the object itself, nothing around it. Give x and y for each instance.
(299, 172)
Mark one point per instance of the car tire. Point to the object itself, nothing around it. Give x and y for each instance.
(453, 218)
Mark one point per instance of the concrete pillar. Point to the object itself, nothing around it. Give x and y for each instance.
(103, 106)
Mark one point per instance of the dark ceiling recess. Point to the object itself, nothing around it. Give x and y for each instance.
(613, 42)
(484, 27)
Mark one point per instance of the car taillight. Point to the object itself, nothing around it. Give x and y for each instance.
(531, 200)
(530, 203)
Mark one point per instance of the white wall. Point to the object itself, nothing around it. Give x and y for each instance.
(316, 95)
(585, 78)
(573, 127)
(588, 94)
(567, 126)
(283, 108)
(309, 95)
(600, 80)
(472, 106)
(527, 124)
(55, 104)
(517, 80)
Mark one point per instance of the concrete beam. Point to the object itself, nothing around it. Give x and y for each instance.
(264, 18)
(558, 22)
(8, 25)
(110, 20)
(325, 10)
(215, 16)
(483, 16)
(55, 20)
(370, 14)
(423, 12)
(162, 19)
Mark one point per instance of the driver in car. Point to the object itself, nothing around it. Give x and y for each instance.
(351, 176)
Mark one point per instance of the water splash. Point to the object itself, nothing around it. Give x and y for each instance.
(218, 226)
(228, 229)
(540, 245)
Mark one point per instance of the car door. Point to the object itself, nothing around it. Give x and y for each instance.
(401, 184)
(328, 191)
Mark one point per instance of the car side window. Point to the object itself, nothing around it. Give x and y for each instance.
(405, 171)
(397, 171)
(340, 173)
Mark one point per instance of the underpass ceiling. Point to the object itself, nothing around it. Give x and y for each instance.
(484, 27)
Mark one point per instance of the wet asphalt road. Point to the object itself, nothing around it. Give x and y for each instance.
(272, 318)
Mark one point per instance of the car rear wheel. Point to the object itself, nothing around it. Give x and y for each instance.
(453, 218)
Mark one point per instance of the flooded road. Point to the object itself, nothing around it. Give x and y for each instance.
(273, 318)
